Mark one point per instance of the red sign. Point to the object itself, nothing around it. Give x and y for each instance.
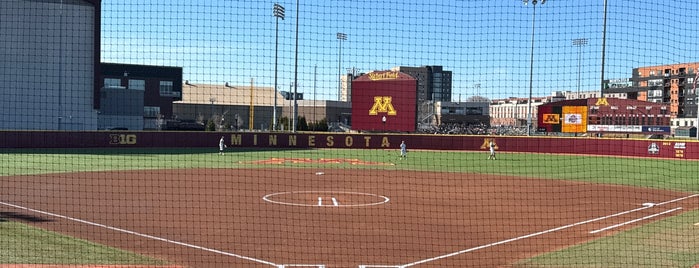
(384, 101)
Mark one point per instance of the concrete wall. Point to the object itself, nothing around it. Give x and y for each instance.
(47, 52)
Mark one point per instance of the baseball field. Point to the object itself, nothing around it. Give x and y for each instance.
(344, 208)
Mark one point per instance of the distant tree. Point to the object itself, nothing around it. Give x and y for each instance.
(321, 125)
(238, 121)
(301, 124)
(477, 99)
(284, 123)
(210, 126)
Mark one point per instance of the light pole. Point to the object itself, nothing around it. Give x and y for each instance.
(315, 80)
(531, 66)
(604, 47)
(279, 14)
(296, 69)
(341, 37)
(697, 102)
(579, 42)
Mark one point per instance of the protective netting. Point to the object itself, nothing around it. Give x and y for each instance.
(349, 133)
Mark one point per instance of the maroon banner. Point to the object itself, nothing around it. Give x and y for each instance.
(384, 101)
(677, 149)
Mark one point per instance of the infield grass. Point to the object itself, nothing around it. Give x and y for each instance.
(652, 245)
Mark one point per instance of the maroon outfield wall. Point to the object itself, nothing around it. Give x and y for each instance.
(136, 139)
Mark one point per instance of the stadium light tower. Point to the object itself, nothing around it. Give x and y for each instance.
(604, 48)
(279, 14)
(296, 71)
(579, 42)
(696, 100)
(531, 65)
(341, 37)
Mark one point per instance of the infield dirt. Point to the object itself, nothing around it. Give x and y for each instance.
(220, 218)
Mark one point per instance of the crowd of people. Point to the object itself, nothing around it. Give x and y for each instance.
(472, 129)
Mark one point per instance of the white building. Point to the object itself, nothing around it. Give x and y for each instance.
(515, 111)
(569, 95)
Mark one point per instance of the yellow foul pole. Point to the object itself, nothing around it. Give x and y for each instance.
(252, 107)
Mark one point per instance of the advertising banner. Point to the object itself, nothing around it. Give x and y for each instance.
(614, 128)
(549, 118)
(656, 129)
(575, 119)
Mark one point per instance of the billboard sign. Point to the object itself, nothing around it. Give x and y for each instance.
(575, 119)
(384, 101)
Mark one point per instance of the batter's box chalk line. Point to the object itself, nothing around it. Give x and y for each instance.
(301, 265)
(323, 266)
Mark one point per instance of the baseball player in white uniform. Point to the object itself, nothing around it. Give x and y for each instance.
(403, 150)
(221, 146)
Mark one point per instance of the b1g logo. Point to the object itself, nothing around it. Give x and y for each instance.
(382, 104)
(122, 139)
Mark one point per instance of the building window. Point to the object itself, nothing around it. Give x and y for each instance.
(151, 111)
(112, 82)
(137, 84)
(655, 82)
(165, 88)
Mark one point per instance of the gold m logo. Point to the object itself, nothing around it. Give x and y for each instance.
(602, 102)
(382, 104)
(486, 144)
(552, 119)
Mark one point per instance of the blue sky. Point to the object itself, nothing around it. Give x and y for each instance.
(481, 42)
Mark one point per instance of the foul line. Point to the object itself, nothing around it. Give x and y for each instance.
(541, 233)
(141, 235)
(397, 266)
(635, 220)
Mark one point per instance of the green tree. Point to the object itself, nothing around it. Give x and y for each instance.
(210, 125)
(301, 124)
(284, 121)
(321, 125)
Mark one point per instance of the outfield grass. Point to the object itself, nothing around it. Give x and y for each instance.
(651, 244)
(667, 174)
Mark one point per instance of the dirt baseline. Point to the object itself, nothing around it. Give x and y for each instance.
(329, 217)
